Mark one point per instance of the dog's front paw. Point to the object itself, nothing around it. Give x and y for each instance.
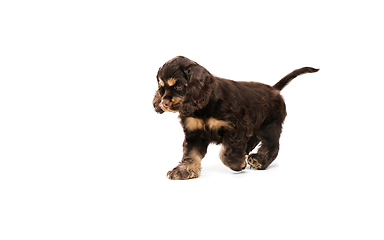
(182, 172)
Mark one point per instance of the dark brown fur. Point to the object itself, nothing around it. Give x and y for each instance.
(239, 115)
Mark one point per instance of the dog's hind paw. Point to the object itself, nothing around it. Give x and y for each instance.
(252, 161)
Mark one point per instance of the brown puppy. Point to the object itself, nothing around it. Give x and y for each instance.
(239, 115)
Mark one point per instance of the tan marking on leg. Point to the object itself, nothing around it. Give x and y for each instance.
(189, 169)
(171, 82)
(195, 165)
(252, 161)
(222, 151)
(193, 124)
(215, 124)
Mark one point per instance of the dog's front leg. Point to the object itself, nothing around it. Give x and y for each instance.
(194, 149)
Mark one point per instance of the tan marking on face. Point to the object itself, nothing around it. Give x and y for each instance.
(176, 100)
(161, 82)
(171, 82)
(193, 124)
(175, 105)
(215, 124)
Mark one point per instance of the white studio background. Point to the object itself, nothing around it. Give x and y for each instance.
(84, 156)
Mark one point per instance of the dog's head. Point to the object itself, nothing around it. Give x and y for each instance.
(183, 86)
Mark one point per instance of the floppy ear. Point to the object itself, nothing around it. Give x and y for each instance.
(156, 102)
(199, 88)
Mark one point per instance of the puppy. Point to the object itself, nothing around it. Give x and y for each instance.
(239, 115)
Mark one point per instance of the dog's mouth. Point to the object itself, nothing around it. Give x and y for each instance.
(173, 105)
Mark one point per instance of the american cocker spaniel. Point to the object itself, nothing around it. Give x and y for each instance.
(239, 115)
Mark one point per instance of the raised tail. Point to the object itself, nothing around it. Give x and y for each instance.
(287, 79)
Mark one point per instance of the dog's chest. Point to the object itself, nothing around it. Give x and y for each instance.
(209, 124)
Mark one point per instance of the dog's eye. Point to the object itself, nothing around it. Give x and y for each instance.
(178, 88)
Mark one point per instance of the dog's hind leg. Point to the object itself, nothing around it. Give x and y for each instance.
(233, 157)
(267, 153)
(252, 143)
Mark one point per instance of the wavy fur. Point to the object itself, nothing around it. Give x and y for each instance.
(238, 115)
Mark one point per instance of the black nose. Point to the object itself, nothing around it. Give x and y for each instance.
(166, 103)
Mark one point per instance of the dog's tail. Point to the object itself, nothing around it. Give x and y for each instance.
(287, 79)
